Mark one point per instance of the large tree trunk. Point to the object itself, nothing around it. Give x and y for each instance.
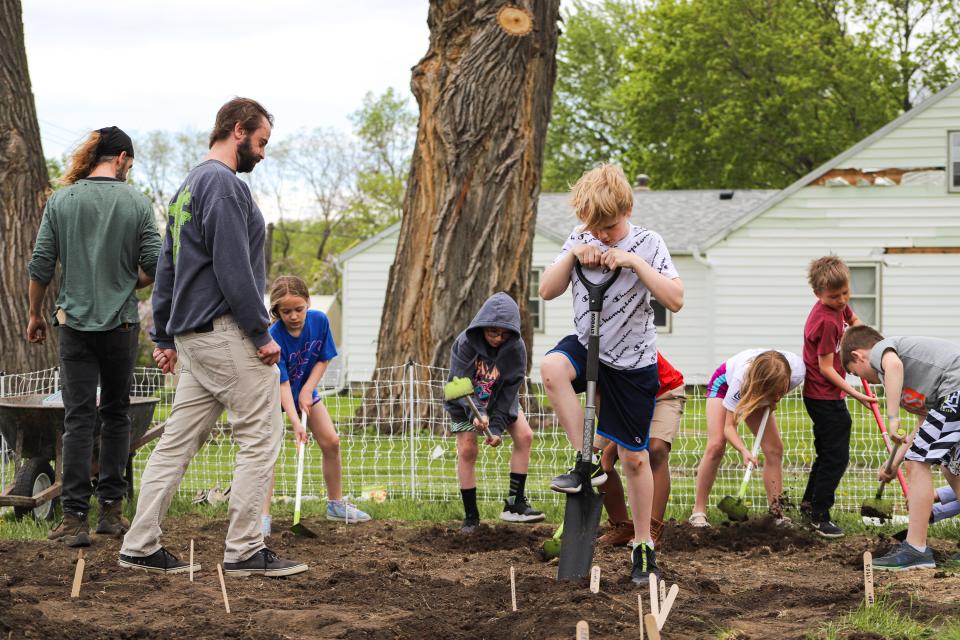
(23, 191)
(471, 200)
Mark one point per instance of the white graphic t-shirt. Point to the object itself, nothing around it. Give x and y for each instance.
(628, 338)
(737, 368)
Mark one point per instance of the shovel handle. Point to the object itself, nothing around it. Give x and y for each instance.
(875, 409)
(296, 504)
(753, 451)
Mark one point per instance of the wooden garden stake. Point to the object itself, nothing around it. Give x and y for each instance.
(513, 587)
(654, 596)
(223, 588)
(667, 605)
(640, 613)
(191, 559)
(868, 578)
(650, 623)
(595, 579)
(78, 575)
(583, 630)
(663, 593)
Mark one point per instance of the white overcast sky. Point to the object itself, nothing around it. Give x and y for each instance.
(143, 65)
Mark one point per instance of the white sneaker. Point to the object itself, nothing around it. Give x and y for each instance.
(265, 523)
(698, 519)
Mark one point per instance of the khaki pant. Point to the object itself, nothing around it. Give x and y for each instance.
(218, 370)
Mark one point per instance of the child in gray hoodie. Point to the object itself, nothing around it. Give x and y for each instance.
(491, 353)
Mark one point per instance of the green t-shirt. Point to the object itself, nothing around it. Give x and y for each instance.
(101, 230)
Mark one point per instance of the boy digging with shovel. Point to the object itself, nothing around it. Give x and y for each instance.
(627, 384)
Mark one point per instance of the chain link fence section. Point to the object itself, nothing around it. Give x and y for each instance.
(395, 442)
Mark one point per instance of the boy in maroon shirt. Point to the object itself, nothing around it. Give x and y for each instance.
(825, 387)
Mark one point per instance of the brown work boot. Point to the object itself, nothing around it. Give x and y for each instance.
(111, 521)
(73, 531)
(656, 531)
(618, 534)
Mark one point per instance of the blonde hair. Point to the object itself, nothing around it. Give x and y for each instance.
(828, 273)
(286, 286)
(602, 195)
(82, 160)
(766, 381)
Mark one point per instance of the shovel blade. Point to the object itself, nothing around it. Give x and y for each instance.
(580, 522)
(299, 530)
(881, 509)
(734, 508)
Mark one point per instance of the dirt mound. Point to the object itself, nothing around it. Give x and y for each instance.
(762, 536)
(380, 581)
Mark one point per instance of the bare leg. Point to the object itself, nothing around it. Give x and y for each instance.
(716, 444)
(772, 447)
(921, 502)
(467, 459)
(636, 467)
(326, 436)
(522, 436)
(660, 468)
(558, 375)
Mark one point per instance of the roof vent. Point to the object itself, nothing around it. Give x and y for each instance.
(726, 195)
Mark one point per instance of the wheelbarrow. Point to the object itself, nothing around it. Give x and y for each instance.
(36, 431)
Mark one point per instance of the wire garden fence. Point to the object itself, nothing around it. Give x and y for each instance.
(395, 442)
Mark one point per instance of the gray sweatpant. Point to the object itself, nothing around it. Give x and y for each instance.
(218, 370)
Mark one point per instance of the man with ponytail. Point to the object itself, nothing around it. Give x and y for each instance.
(103, 233)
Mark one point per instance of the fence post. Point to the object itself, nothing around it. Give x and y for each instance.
(413, 441)
(3, 441)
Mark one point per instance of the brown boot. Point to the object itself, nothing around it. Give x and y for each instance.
(618, 534)
(111, 521)
(656, 531)
(73, 531)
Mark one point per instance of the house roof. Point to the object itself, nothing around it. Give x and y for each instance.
(684, 218)
(833, 163)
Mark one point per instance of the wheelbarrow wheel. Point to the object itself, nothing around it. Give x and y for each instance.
(34, 476)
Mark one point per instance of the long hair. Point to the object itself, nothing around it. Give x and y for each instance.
(766, 381)
(82, 160)
(286, 286)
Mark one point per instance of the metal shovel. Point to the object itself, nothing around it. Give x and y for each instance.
(298, 528)
(734, 507)
(582, 514)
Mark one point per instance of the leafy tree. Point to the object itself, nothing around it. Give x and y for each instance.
(922, 37)
(749, 93)
(588, 125)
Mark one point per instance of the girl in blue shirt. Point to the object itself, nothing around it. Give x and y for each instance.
(306, 349)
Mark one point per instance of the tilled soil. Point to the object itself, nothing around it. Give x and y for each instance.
(396, 580)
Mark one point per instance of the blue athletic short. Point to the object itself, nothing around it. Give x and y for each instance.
(627, 396)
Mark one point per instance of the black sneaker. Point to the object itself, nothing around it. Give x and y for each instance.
(826, 528)
(520, 511)
(73, 531)
(161, 561)
(644, 563)
(570, 482)
(264, 563)
(470, 525)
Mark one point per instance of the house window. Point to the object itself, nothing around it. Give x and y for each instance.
(865, 293)
(662, 318)
(534, 301)
(953, 163)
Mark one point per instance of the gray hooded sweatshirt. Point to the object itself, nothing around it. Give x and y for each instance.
(496, 373)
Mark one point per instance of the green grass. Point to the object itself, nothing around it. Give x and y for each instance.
(888, 620)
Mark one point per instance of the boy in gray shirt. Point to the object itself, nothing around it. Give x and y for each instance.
(924, 373)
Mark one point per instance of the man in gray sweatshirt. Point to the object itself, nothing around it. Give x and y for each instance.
(209, 316)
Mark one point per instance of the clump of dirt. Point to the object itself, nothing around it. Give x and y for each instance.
(380, 581)
(762, 535)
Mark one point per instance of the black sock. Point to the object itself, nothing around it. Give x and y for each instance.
(517, 482)
(469, 497)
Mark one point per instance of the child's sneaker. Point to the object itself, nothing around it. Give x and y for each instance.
(699, 520)
(904, 557)
(826, 528)
(345, 512)
(519, 511)
(470, 526)
(644, 563)
(265, 523)
(570, 482)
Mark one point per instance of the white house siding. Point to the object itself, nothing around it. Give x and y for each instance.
(759, 272)
(920, 142)
(685, 346)
(364, 288)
